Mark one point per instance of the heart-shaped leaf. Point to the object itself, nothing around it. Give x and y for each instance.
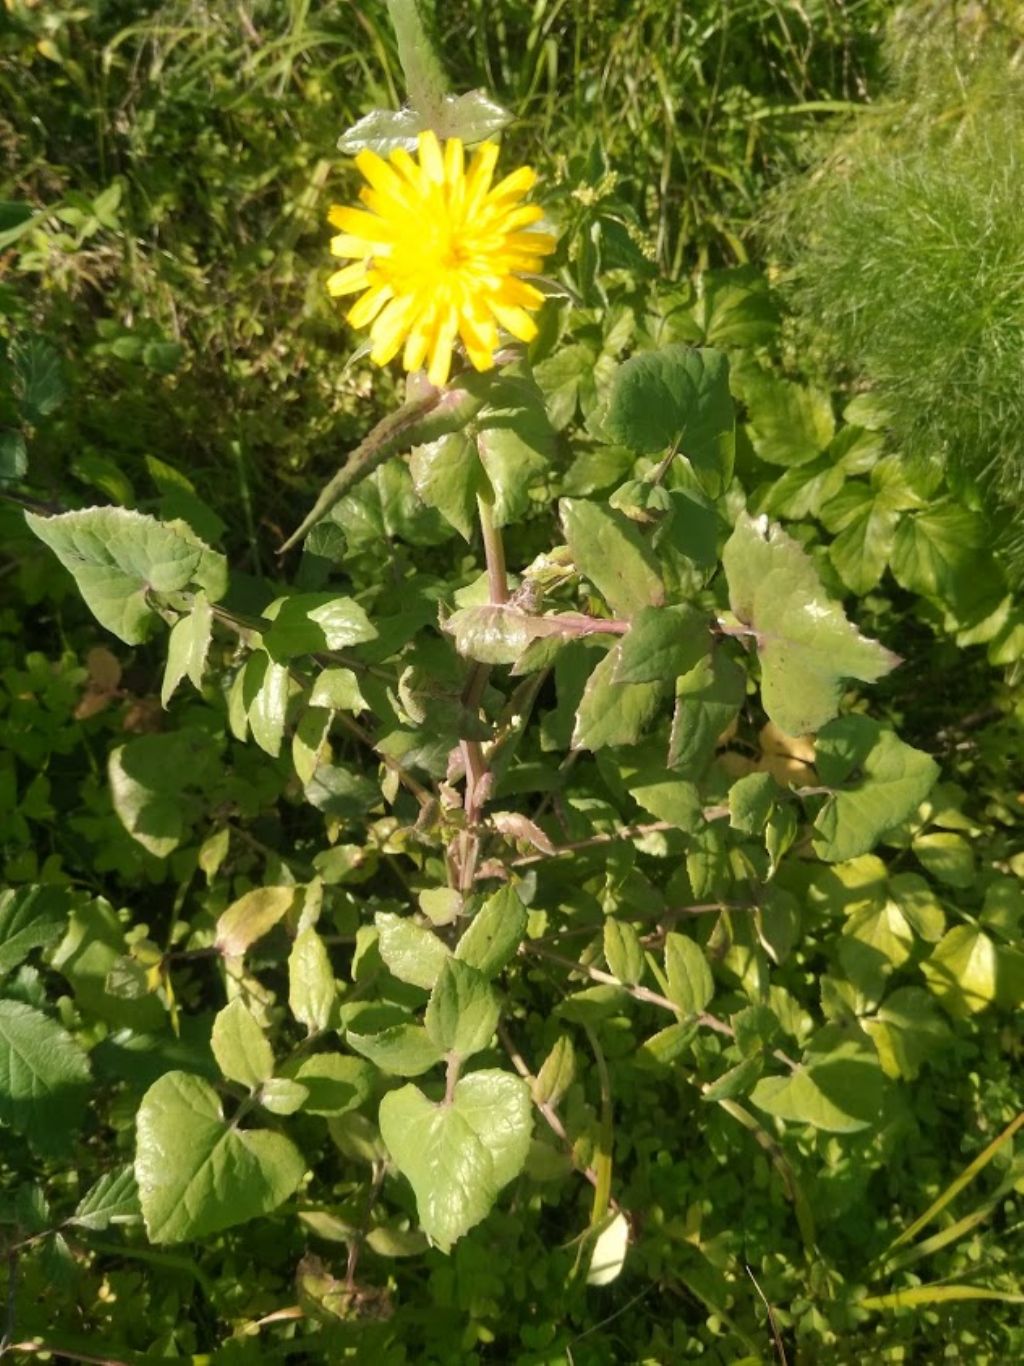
(198, 1174)
(457, 1156)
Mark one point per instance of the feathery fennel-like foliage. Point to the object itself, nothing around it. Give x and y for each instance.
(904, 250)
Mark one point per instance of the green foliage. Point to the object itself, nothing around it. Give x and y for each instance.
(905, 251)
(397, 972)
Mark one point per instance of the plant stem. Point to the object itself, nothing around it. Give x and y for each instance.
(494, 552)
(477, 777)
(550, 1114)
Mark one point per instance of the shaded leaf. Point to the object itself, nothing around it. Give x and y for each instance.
(609, 551)
(44, 1078)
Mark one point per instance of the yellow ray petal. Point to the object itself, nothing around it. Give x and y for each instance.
(480, 338)
(349, 280)
(478, 177)
(382, 176)
(389, 329)
(537, 243)
(441, 349)
(513, 292)
(514, 186)
(431, 159)
(360, 224)
(520, 217)
(364, 310)
(514, 320)
(344, 244)
(418, 341)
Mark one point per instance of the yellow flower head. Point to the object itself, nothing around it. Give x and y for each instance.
(438, 255)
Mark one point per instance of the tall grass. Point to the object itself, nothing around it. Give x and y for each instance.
(217, 125)
(905, 249)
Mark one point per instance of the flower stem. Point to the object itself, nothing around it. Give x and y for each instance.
(494, 552)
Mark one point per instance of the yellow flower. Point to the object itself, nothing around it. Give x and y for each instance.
(438, 255)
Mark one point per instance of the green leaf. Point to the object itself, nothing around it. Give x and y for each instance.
(249, 918)
(789, 424)
(947, 857)
(838, 1088)
(473, 117)
(44, 1078)
(441, 905)
(707, 700)
(737, 1081)
(188, 647)
(113, 1199)
(609, 1252)
(557, 1073)
(93, 947)
(678, 396)
(382, 131)
(447, 475)
(240, 1046)
(458, 1156)
(282, 1096)
(15, 220)
(308, 623)
(495, 933)
(268, 708)
(675, 800)
(311, 986)
(13, 453)
(40, 379)
(613, 713)
(861, 551)
(118, 557)
(412, 952)
(30, 917)
(690, 984)
(907, 1032)
(662, 643)
(560, 376)
(197, 1174)
(804, 642)
(623, 951)
(935, 547)
(593, 1004)
(149, 778)
(494, 634)
(891, 780)
(308, 740)
(736, 308)
(341, 792)
(608, 550)
(515, 459)
(963, 970)
(462, 1013)
(334, 1083)
(751, 800)
(802, 490)
(404, 1050)
(338, 690)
